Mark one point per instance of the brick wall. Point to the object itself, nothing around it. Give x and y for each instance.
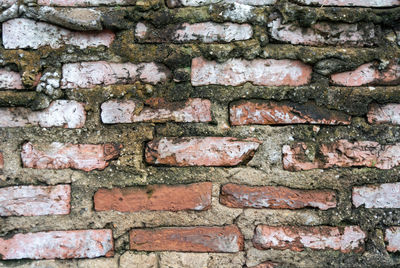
(199, 133)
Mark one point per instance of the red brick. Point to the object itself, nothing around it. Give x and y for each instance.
(10, 80)
(58, 245)
(273, 113)
(155, 197)
(260, 72)
(56, 155)
(35, 200)
(323, 33)
(158, 111)
(189, 239)
(194, 151)
(360, 3)
(346, 239)
(342, 153)
(205, 32)
(242, 196)
(90, 74)
(392, 236)
(368, 74)
(60, 113)
(86, 3)
(25, 33)
(385, 113)
(385, 195)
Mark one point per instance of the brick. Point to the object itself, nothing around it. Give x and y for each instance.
(342, 153)
(360, 3)
(196, 3)
(60, 113)
(260, 72)
(368, 74)
(267, 264)
(1, 160)
(35, 200)
(392, 236)
(193, 151)
(382, 114)
(205, 32)
(323, 33)
(157, 111)
(86, 3)
(10, 80)
(385, 195)
(155, 197)
(91, 74)
(25, 33)
(58, 245)
(242, 196)
(261, 112)
(188, 239)
(345, 239)
(57, 155)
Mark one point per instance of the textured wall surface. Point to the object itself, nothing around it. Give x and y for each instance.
(199, 133)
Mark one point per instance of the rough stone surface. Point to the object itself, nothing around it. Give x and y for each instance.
(382, 114)
(205, 32)
(196, 3)
(90, 74)
(57, 155)
(138, 260)
(192, 151)
(188, 239)
(60, 113)
(157, 111)
(25, 33)
(385, 195)
(86, 3)
(346, 239)
(10, 80)
(260, 72)
(275, 113)
(368, 74)
(157, 197)
(242, 196)
(1, 160)
(322, 33)
(342, 153)
(351, 3)
(392, 237)
(58, 244)
(35, 200)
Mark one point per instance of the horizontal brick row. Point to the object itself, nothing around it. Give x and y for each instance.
(10, 80)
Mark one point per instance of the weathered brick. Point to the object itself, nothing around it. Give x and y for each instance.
(90, 74)
(385, 113)
(10, 80)
(260, 72)
(368, 74)
(242, 196)
(189, 239)
(58, 245)
(261, 112)
(346, 239)
(342, 153)
(57, 155)
(205, 32)
(86, 3)
(360, 3)
(267, 264)
(25, 33)
(385, 195)
(194, 151)
(323, 33)
(35, 200)
(196, 3)
(159, 111)
(60, 113)
(155, 197)
(392, 236)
